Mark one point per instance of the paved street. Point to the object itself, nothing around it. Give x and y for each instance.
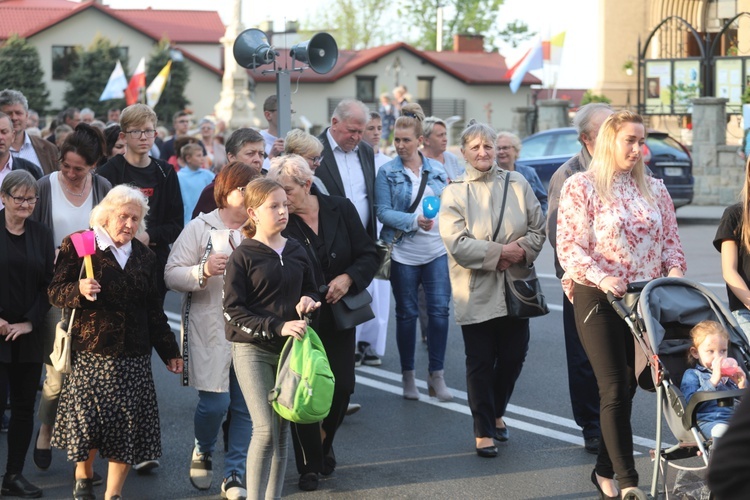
(395, 448)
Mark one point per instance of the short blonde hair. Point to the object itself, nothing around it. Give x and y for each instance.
(293, 166)
(702, 330)
(189, 150)
(136, 115)
(301, 143)
(117, 197)
(514, 140)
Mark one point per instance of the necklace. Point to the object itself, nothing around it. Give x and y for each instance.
(79, 195)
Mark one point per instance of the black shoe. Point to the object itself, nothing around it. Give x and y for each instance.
(487, 452)
(308, 481)
(591, 445)
(42, 458)
(84, 489)
(329, 463)
(502, 434)
(599, 488)
(97, 480)
(15, 485)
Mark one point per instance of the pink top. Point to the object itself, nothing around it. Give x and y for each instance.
(627, 238)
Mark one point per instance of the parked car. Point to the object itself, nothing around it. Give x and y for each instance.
(669, 160)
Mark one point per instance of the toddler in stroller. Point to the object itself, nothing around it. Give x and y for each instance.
(712, 371)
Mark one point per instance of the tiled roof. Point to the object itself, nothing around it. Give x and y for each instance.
(28, 17)
(473, 68)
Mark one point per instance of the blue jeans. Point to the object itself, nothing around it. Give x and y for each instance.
(266, 456)
(212, 406)
(743, 318)
(405, 280)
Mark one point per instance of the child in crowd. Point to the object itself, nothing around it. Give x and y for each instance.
(708, 352)
(193, 178)
(268, 287)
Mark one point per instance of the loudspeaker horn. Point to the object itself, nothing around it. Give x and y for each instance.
(251, 49)
(320, 53)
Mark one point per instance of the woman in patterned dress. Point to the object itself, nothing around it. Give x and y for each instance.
(108, 403)
(615, 225)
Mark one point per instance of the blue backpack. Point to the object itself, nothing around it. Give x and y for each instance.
(304, 381)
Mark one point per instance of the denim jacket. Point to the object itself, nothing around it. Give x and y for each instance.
(393, 196)
(698, 379)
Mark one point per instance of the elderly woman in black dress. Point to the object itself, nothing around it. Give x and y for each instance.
(108, 402)
(27, 255)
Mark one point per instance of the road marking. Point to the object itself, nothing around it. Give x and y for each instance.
(463, 409)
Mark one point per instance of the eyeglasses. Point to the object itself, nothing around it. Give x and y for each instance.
(136, 134)
(19, 200)
(241, 189)
(505, 148)
(315, 159)
(258, 152)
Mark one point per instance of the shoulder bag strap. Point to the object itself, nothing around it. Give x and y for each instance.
(422, 185)
(502, 210)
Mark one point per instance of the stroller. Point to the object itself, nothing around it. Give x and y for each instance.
(660, 314)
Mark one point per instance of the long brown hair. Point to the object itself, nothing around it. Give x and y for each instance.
(745, 230)
(256, 192)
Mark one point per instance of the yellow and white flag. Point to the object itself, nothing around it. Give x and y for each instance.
(154, 91)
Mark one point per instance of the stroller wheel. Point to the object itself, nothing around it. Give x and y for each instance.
(635, 494)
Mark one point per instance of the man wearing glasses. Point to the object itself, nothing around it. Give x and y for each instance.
(155, 178)
(7, 162)
(181, 124)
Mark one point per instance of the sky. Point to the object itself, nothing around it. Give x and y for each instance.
(546, 17)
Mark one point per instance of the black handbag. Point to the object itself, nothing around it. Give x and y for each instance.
(352, 309)
(523, 294)
(384, 249)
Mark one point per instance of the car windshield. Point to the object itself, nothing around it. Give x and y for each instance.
(553, 144)
(566, 144)
(534, 147)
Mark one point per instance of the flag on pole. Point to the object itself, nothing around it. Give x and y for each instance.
(531, 60)
(116, 85)
(553, 49)
(153, 92)
(137, 82)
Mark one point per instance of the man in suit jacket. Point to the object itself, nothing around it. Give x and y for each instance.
(348, 166)
(38, 151)
(7, 162)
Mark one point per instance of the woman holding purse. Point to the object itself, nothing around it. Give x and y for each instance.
(480, 249)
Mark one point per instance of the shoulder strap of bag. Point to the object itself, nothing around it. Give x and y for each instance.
(73, 310)
(502, 210)
(422, 185)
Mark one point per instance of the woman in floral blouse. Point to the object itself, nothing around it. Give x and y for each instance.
(615, 225)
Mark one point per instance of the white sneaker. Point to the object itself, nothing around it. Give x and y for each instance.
(232, 488)
(201, 470)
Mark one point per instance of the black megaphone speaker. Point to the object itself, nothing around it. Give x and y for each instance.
(251, 49)
(320, 53)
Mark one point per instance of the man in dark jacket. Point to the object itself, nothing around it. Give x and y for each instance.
(36, 150)
(584, 393)
(7, 162)
(348, 166)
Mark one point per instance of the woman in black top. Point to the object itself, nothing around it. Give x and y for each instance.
(268, 287)
(108, 402)
(26, 260)
(345, 261)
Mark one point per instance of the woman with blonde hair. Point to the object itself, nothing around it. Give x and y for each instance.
(309, 147)
(615, 226)
(419, 256)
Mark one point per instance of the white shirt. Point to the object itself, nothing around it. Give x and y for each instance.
(66, 217)
(269, 140)
(7, 168)
(353, 178)
(27, 152)
(103, 241)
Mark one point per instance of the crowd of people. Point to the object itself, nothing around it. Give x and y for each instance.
(263, 235)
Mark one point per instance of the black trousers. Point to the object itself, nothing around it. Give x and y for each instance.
(309, 451)
(23, 381)
(610, 347)
(495, 352)
(584, 393)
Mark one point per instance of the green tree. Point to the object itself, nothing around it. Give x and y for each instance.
(173, 98)
(89, 77)
(473, 17)
(21, 69)
(357, 24)
(589, 96)
(515, 33)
